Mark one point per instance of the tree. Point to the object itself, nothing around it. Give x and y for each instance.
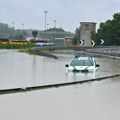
(55, 29)
(9, 32)
(77, 33)
(34, 33)
(74, 41)
(109, 31)
(20, 34)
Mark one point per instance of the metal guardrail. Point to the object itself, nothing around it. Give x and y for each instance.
(61, 48)
(100, 51)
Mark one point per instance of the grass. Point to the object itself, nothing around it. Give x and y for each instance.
(27, 51)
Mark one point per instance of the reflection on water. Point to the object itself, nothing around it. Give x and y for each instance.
(23, 70)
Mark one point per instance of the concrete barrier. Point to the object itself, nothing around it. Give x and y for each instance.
(27, 89)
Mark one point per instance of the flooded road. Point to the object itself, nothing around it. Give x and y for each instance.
(99, 100)
(90, 101)
(23, 70)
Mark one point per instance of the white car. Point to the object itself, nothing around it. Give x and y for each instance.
(82, 64)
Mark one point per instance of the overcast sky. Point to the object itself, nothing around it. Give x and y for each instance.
(68, 13)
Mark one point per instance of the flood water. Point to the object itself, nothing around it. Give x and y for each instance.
(99, 100)
(23, 70)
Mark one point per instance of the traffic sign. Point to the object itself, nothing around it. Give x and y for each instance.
(81, 42)
(93, 43)
(102, 41)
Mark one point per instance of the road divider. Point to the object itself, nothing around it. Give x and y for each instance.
(57, 85)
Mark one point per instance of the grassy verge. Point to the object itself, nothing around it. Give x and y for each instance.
(28, 51)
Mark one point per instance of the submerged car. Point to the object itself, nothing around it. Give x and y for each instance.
(82, 64)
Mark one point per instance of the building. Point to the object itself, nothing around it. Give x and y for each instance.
(86, 28)
(55, 34)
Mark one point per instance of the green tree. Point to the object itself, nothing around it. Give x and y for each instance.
(74, 41)
(34, 33)
(9, 32)
(109, 31)
(55, 29)
(77, 33)
(20, 34)
(5, 29)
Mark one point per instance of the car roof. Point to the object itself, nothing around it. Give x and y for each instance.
(83, 58)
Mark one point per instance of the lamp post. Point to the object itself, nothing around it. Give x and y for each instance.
(22, 25)
(55, 23)
(12, 30)
(45, 21)
(22, 33)
(61, 25)
(12, 24)
(45, 18)
(47, 26)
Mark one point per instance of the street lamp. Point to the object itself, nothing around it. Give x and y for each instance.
(55, 23)
(22, 25)
(21, 32)
(61, 25)
(45, 18)
(12, 30)
(47, 26)
(12, 24)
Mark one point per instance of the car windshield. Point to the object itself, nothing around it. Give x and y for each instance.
(82, 62)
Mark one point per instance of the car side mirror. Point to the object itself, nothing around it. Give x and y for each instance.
(66, 65)
(97, 65)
